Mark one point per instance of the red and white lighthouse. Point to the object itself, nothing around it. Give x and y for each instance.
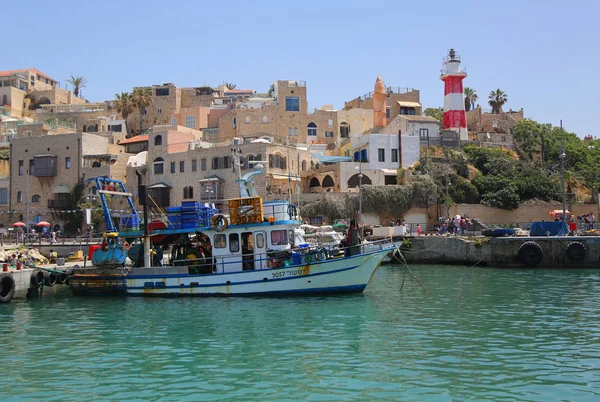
(455, 118)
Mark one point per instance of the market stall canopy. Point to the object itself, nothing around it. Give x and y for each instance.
(61, 189)
(331, 159)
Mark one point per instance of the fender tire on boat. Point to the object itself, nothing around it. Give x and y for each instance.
(49, 278)
(576, 251)
(61, 278)
(531, 253)
(37, 278)
(7, 288)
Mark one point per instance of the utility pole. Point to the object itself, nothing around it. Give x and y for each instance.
(562, 173)
(447, 196)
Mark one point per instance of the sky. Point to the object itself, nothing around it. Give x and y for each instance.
(543, 54)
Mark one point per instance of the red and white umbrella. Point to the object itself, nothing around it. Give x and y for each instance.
(42, 223)
(19, 224)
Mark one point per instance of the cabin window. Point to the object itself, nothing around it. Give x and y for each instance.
(234, 243)
(260, 240)
(279, 237)
(220, 241)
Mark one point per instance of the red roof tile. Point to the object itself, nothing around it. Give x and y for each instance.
(33, 70)
(133, 140)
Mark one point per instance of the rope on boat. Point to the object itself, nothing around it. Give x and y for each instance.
(409, 270)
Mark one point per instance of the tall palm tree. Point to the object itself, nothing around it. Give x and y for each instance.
(231, 86)
(470, 98)
(497, 99)
(123, 104)
(141, 99)
(78, 83)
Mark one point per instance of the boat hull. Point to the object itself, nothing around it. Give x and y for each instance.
(341, 275)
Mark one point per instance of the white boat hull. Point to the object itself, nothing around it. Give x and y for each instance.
(343, 275)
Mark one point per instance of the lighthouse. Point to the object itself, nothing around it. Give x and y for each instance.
(455, 118)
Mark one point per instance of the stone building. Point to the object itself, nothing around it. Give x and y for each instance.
(493, 129)
(44, 169)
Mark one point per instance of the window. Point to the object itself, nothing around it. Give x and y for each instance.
(158, 111)
(45, 166)
(181, 166)
(190, 121)
(233, 122)
(423, 133)
(329, 134)
(265, 119)
(31, 167)
(96, 164)
(234, 242)
(295, 131)
(394, 155)
(330, 122)
(247, 119)
(173, 121)
(381, 154)
(145, 111)
(276, 161)
(312, 129)
(158, 166)
(158, 140)
(117, 128)
(279, 237)
(173, 167)
(188, 192)
(225, 163)
(68, 162)
(3, 196)
(260, 240)
(289, 131)
(162, 91)
(20, 196)
(21, 168)
(303, 165)
(36, 198)
(203, 164)
(220, 240)
(388, 112)
(407, 111)
(292, 104)
(215, 163)
(194, 165)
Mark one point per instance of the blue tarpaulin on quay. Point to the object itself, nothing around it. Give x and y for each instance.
(549, 229)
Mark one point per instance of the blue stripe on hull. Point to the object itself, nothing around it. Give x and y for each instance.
(316, 291)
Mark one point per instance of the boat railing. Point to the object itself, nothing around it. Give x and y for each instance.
(273, 259)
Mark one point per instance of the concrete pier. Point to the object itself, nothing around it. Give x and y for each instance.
(548, 252)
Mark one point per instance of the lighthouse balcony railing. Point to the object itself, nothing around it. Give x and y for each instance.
(389, 91)
(443, 71)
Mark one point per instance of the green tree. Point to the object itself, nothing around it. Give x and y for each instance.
(231, 86)
(141, 99)
(470, 98)
(528, 134)
(78, 83)
(123, 104)
(436, 113)
(497, 99)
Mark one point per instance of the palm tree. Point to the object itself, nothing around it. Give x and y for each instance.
(78, 83)
(123, 104)
(470, 98)
(497, 99)
(141, 99)
(231, 86)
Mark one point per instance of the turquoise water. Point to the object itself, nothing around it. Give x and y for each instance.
(479, 334)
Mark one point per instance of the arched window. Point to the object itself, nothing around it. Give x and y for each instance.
(265, 119)
(314, 182)
(312, 129)
(249, 160)
(233, 122)
(20, 196)
(328, 182)
(158, 165)
(303, 165)
(158, 140)
(355, 180)
(276, 161)
(188, 192)
(96, 164)
(344, 130)
(247, 119)
(36, 198)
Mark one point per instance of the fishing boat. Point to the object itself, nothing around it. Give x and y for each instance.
(250, 249)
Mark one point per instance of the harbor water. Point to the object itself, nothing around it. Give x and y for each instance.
(479, 334)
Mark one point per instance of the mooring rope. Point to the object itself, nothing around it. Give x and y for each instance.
(409, 270)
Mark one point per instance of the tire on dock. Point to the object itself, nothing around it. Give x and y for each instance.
(61, 278)
(7, 288)
(530, 253)
(37, 278)
(49, 278)
(576, 251)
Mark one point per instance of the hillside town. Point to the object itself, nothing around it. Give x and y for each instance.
(181, 140)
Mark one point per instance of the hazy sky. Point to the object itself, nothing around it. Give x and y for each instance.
(543, 54)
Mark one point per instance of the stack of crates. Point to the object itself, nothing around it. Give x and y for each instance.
(174, 216)
(190, 214)
(130, 222)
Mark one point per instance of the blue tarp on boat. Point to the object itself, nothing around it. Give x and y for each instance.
(549, 229)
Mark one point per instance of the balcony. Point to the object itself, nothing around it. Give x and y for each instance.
(59, 203)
